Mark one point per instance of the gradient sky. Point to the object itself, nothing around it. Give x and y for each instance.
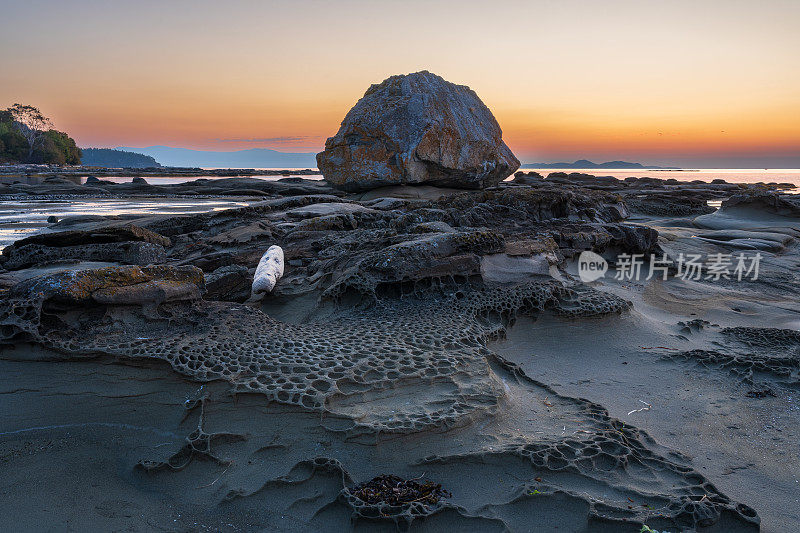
(696, 83)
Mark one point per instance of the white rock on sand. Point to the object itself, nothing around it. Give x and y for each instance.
(268, 272)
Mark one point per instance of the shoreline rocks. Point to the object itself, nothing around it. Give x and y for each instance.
(388, 240)
(129, 253)
(94, 171)
(381, 334)
(130, 245)
(116, 285)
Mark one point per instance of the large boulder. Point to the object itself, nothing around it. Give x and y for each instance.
(413, 129)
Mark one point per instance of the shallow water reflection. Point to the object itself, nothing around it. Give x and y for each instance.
(21, 218)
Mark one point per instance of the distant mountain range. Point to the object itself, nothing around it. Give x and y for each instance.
(584, 163)
(252, 158)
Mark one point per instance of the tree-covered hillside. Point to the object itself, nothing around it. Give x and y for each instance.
(27, 136)
(106, 157)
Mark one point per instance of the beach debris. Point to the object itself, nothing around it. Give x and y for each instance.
(217, 478)
(760, 393)
(646, 407)
(648, 529)
(268, 271)
(396, 491)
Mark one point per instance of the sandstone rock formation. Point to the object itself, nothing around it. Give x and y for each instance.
(120, 285)
(230, 282)
(128, 244)
(413, 129)
(128, 253)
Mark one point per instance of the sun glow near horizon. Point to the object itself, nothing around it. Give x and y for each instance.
(685, 82)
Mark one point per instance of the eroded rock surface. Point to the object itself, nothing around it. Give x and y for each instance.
(376, 353)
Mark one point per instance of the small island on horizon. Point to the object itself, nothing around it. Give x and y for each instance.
(585, 163)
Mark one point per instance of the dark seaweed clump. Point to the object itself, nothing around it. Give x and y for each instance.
(396, 491)
(762, 393)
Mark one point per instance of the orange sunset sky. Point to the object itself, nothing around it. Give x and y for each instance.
(693, 83)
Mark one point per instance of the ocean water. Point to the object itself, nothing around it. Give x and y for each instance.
(776, 175)
(21, 218)
(772, 175)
